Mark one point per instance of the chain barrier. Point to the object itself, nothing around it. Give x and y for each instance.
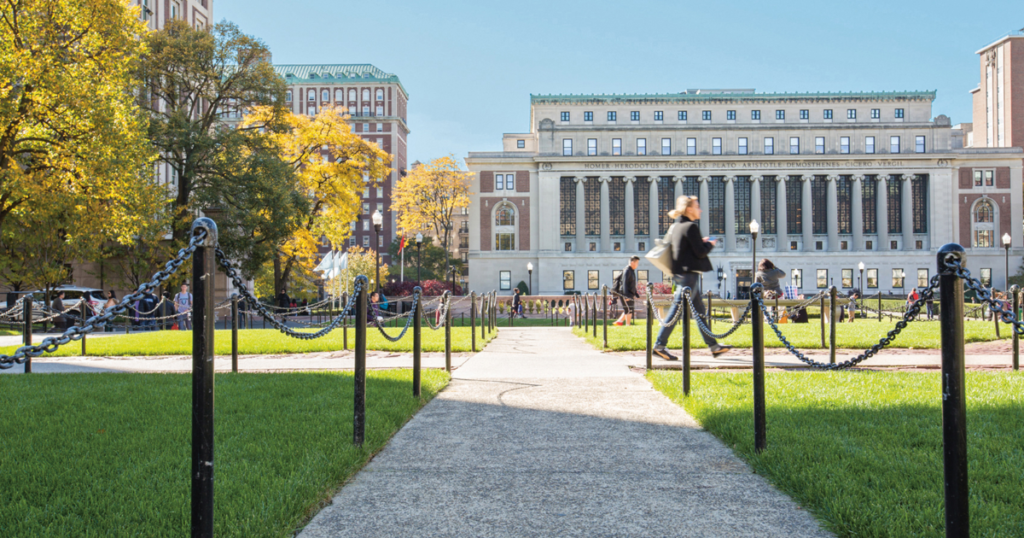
(707, 330)
(286, 310)
(155, 308)
(442, 309)
(675, 302)
(996, 306)
(408, 319)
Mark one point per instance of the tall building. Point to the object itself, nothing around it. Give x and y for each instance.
(377, 103)
(998, 119)
(833, 179)
(156, 13)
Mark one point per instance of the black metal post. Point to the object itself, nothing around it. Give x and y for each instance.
(594, 318)
(472, 318)
(234, 333)
(757, 343)
(685, 305)
(417, 342)
(204, 268)
(604, 320)
(821, 319)
(511, 314)
(707, 313)
(448, 334)
(26, 311)
(954, 408)
(84, 310)
(1015, 291)
(832, 325)
(879, 306)
(359, 415)
(650, 335)
(586, 314)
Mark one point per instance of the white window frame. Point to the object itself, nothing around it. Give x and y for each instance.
(716, 146)
(794, 145)
(869, 144)
(591, 147)
(769, 145)
(741, 145)
(844, 145)
(616, 146)
(666, 146)
(894, 144)
(567, 147)
(691, 146)
(920, 143)
(641, 146)
(819, 145)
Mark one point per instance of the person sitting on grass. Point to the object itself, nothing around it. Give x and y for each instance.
(625, 290)
(373, 312)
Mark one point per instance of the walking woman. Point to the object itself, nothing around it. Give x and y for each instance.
(689, 259)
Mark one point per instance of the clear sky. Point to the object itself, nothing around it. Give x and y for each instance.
(470, 65)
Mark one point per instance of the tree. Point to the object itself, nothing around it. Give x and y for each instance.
(432, 265)
(332, 166)
(71, 134)
(361, 261)
(428, 197)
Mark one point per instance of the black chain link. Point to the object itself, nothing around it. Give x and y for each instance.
(996, 306)
(675, 302)
(707, 330)
(445, 305)
(416, 292)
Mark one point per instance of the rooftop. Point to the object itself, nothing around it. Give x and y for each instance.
(730, 95)
(1011, 35)
(336, 73)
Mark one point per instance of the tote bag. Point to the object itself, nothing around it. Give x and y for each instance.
(661, 255)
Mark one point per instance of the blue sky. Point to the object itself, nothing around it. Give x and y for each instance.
(470, 66)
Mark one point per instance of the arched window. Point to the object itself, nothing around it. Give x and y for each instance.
(983, 224)
(505, 216)
(505, 227)
(339, 95)
(351, 95)
(380, 95)
(366, 95)
(325, 95)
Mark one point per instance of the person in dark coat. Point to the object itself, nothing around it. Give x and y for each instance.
(689, 259)
(768, 275)
(60, 322)
(627, 293)
(284, 302)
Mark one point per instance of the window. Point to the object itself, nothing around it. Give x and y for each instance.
(794, 207)
(366, 241)
(984, 225)
(521, 144)
(505, 278)
(592, 207)
(311, 95)
(780, 114)
(616, 146)
(617, 246)
(510, 182)
(872, 278)
(869, 245)
(380, 192)
(844, 144)
(643, 246)
(567, 146)
(769, 190)
(666, 146)
(730, 115)
(716, 146)
(366, 209)
(593, 247)
(568, 246)
(794, 145)
(311, 110)
(352, 241)
(819, 144)
(682, 115)
(715, 212)
(641, 146)
(986, 277)
(593, 280)
(827, 114)
(691, 146)
(919, 144)
(666, 201)
(366, 95)
(634, 115)
(919, 199)
(611, 116)
(869, 144)
(380, 95)
(922, 278)
(821, 278)
(819, 205)
(591, 146)
(567, 206)
(565, 116)
(876, 113)
(617, 206)
(755, 115)
(895, 203)
(325, 95)
(847, 280)
(499, 182)
(568, 280)
(641, 276)
(899, 113)
(288, 96)
(366, 225)
(894, 144)
(380, 241)
(769, 145)
(641, 211)
(741, 146)
(796, 276)
(897, 278)
(983, 178)
(351, 95)
(741, 200)
(805, 114)
(659, 115)
(588, 116)
(851, 114)
(844, 245)
(505, 241)
(705, 115)
(844, 205)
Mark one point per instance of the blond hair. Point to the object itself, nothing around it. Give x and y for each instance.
(682, 204)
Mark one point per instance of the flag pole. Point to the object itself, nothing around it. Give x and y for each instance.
(402, 263)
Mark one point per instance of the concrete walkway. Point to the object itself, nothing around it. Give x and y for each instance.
(541, 435)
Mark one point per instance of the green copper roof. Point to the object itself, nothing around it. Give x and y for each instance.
(337, 73)
(695, 97)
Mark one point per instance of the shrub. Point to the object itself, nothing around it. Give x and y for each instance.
(431, 288)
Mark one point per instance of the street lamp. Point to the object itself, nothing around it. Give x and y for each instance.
(861, 267)
(754, 228)
(419, 241)
(378, 223)
(1006, 247)
(529, 269)
(721, 274)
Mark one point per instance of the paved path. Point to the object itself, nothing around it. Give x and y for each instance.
(541, 435)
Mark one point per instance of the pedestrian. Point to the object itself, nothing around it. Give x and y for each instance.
(111, 300)
(284, 303)
(626, 292)
(768, 275)
(854, 297)
(183, 305)
(149, 306)
(373, 312)
(914, 296)
(689, 260)
(517, 304)
(930, 305)
(58, 306)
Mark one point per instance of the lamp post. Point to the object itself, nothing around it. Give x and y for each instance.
(378, 223)
(1006, 248)
(529, 269)
(419, 258)
(721, 274)
(861, 267)
(754, 229)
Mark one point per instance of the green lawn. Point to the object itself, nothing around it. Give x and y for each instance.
(109, 455)
(859, 335)
(260, 341)
(863, 450)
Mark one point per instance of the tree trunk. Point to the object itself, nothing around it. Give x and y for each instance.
(278, 281)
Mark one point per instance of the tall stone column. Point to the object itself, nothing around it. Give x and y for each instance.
(730, 214)
(907, 212)
(807, 213)
(857, 210)
(677, 186)
(755, 200)
(704, 227)
(882, 210)
(652, 208)
(781, 220)
(630, 245)
(606, 237)
(833, 214)
(581, 216)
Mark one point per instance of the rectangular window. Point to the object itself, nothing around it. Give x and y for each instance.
(919, 144)
(592, 207)
(869, 144)
(510, 182)
(288, 96)
(505, 241)
(922, 278)
(844, 204)
(755, 115)
(705, 115)
(899, 113)
(844, 144)
(741, 202)
(588, 116)
(366, 225)
(730, 115)
(380, 192)
(616, 146)
(716, 205)
(667, 201)
(568, 280)
(869, 193)
(741, 146)
(567, 147)
(780, 114)
(794, 207)
(682, 115)
(819, 144)
(499, 182)
(851, 114)
(894, 144)
(794, 145)
(617, 206)
(769, 145)
(611, 116)
(769, 188)
(591, 146)
(565, 116)
(796, 277)
(919, 198)
(821, 278)
(666, 146)
(895, 201)
(716, 146)
(568, 247)
(641, 210)
(641, 277)
(847, 278)
(521, 144)
(876, 113)
(380, 241)
(634, 115)
(641, 146)
(805, 114)
(567, 206)
(505, 280)
(593, 280)
(659, 115)
(986, 277)
(691, 146)
(872, 278)
(828, 114)
(819, 205)
(897, 278)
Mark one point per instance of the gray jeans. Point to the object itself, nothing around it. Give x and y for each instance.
(685, 280)
(185, 321)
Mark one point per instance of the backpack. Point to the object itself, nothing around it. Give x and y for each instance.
(617, 281)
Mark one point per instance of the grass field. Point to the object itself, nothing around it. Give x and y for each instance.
(260, 341)
(863, 450)
(859, 335)
(109, 455)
